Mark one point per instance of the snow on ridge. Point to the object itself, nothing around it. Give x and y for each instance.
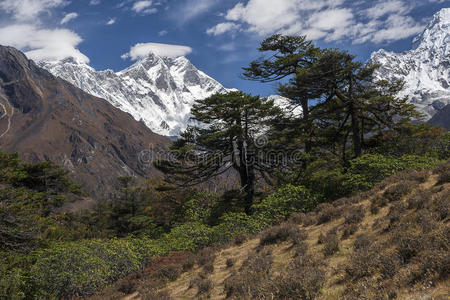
(425, 69)
(159, 91)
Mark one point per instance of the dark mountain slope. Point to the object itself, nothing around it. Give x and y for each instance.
(442, 118)
(46, 118)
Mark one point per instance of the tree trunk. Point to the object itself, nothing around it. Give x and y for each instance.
(355, 122)
(246, 174)
(308, 127)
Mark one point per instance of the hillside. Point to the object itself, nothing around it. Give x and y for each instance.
(45, 118)
(391, 242)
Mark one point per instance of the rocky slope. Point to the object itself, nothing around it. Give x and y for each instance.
(159, 91)
(425, 69)
(45, 118)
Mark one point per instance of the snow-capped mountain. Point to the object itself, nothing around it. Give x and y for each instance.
(425, 69)
(159, 91)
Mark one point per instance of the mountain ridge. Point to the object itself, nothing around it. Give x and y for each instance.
(160, 91)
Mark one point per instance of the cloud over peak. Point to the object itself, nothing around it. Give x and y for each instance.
(141, 50)
(26, 32)
(43, 44)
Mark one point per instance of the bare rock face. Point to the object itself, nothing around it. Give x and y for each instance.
(425, 69)
(46, 118)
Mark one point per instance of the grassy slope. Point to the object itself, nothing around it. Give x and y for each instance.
(375, 225)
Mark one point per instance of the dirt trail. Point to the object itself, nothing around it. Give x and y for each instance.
(6, 114)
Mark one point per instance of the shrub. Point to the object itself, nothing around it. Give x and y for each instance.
(206, 256)
(396, 192)
(204, 286)
(169, 273)
(252, 279)
(395, 213)
(230, 262)
(321, 239)
(348, 230)
(362, 242)
(240, 239)
(440, 205)
(296, 218)
(389, 264)
(235, 224)
(326, 213)
(408, 243)
(331, 245)
(419, 199)
(282, 233)
(354, 215)
(310, 219)
(286, 201)
(83, 267)
(208, 268)
(443, 171)
(302, 280)
(189, 262)
(379, 201)
(362, 263)
(188, 237)
(370, 169)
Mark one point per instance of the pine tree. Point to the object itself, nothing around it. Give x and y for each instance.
(233, 123)
(291, 57)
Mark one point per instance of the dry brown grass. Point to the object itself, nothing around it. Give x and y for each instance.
(394, 243)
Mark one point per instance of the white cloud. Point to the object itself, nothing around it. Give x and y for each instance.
(144, 7)
(43, 44)
(193, 8)
(26, 10)
(141, 50)
(387, 7)
(67, 18)
(27, 33)
(163, 33)
(221, 28)
(111, 21)
(94, 2)
(332, 20)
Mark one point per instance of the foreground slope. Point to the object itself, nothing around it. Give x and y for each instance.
(45, 118)
(392, 242)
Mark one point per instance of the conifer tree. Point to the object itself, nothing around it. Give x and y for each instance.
(228, 140)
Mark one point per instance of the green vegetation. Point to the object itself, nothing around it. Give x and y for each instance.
(353, 134)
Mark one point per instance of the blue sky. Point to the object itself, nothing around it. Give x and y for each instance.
(218, 36)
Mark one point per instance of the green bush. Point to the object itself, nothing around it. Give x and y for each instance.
(370, 169)
(188, 237)
(80, 268)
(286, 201)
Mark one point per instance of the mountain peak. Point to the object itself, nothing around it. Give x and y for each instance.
(436, 32)
(425, 68)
